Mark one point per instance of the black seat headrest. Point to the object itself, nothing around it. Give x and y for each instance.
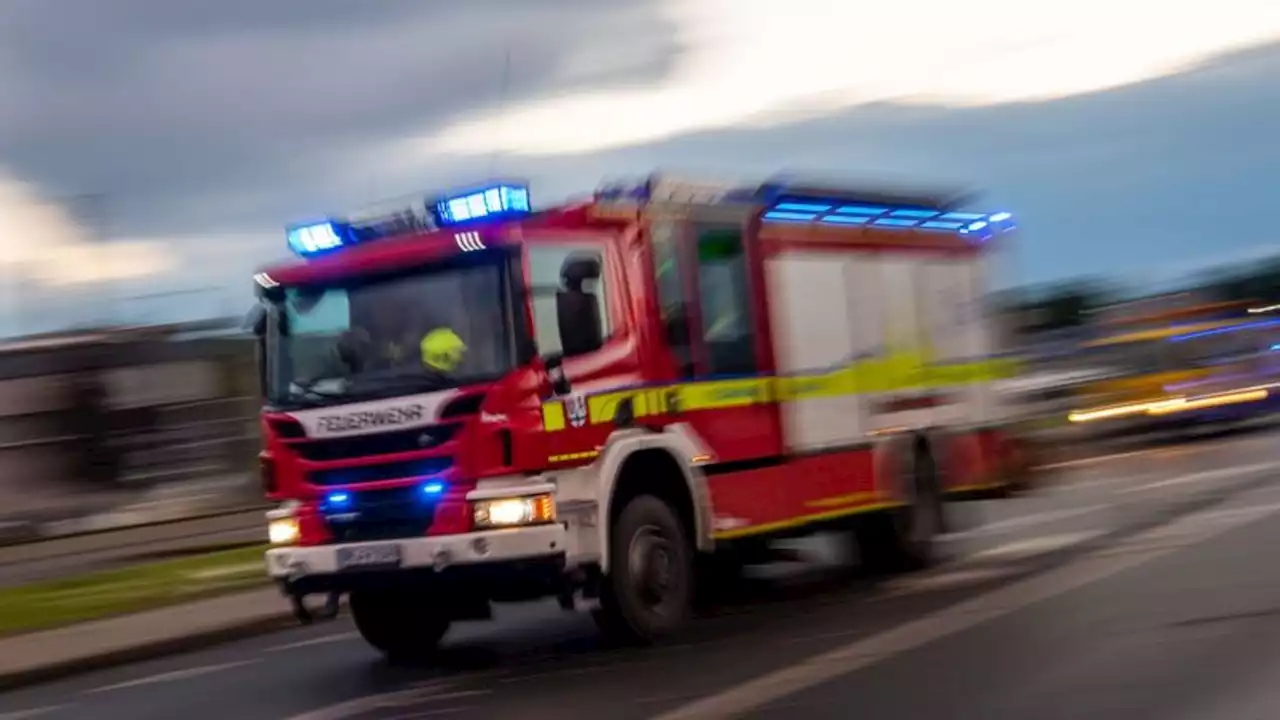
(577, 269)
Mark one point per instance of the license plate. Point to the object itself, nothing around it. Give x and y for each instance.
(368, 556)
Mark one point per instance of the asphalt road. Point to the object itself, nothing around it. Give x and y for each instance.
(1138, 585)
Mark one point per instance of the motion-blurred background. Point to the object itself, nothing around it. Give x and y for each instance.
(150, 152)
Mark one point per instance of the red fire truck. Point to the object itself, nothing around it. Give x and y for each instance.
(471, 402)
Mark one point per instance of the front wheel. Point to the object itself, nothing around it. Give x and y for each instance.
(648, 591)
(404, 626)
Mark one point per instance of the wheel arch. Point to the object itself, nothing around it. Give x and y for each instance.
(630, 458)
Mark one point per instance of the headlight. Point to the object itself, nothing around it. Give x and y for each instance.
(283, 531)
(510, 512)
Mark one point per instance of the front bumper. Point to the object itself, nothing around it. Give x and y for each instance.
(491, 562)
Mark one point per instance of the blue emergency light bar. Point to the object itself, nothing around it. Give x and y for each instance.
(826, 212)
(318, 238)
(790, 200)
(494, 201)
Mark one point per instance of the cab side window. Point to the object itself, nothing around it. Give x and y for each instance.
(728, 331)
(674, 305)
(570, 309)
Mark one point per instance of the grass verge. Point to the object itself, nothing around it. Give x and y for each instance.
(45, 605)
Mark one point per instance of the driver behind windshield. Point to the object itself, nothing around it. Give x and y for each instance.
(396, 340)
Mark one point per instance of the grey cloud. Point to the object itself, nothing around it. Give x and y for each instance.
(238, 120)
(1124, 181)
(157, 102)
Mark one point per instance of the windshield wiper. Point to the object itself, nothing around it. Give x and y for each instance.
(426, 379)
(310, 387)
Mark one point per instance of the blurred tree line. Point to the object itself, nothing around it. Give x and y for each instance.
(1057, 307)
(1257, 281)
(1069, 304)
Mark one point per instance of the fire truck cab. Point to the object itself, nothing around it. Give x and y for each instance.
(471, 402)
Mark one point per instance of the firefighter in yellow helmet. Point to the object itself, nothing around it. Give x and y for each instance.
(442, 350)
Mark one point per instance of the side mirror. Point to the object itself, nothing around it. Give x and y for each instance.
(579, 320)
(255, 321)
(554, 363)
(577, 309)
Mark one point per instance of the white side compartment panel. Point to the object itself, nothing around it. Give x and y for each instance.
(830, 309)
(896, 317)
(984, 338)
(951, 315)
(812, 330)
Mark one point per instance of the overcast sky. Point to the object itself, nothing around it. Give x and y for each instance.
(158, 146)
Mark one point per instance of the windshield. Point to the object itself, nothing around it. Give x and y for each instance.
(430, 329)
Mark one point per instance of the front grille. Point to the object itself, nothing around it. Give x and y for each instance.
(402, 470)
(400, 441)
(382, 515)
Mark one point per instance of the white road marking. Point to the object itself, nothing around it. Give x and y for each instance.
(172, 676)
(340, 637)
(944, 581)
(999, 526)
(1094, 460)
(968, 570)
(32, 713)
(1203, 476)
(426, 693)
(827, 666)
(1041, 545)
(1255, 510)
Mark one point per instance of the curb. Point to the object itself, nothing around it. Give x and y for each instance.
(230, 632)
(18, 532)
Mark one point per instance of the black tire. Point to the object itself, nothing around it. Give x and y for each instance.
(648, 593)
(404, 626)
(904, 539)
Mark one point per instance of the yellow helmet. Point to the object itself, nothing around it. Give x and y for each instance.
(442, 349)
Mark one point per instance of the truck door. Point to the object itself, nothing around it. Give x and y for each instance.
(707, 290)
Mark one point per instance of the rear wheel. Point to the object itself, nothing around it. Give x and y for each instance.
(405, 626)
(648, 591)
(904, 538)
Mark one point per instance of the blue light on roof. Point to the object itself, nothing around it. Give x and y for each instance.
(803, 207)
(491, 203)
(912, 213)
(867, 210)
(316, 238)
(848, 219)
(786, 215)
(823, 212)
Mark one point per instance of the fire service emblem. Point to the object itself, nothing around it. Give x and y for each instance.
(576, 407)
